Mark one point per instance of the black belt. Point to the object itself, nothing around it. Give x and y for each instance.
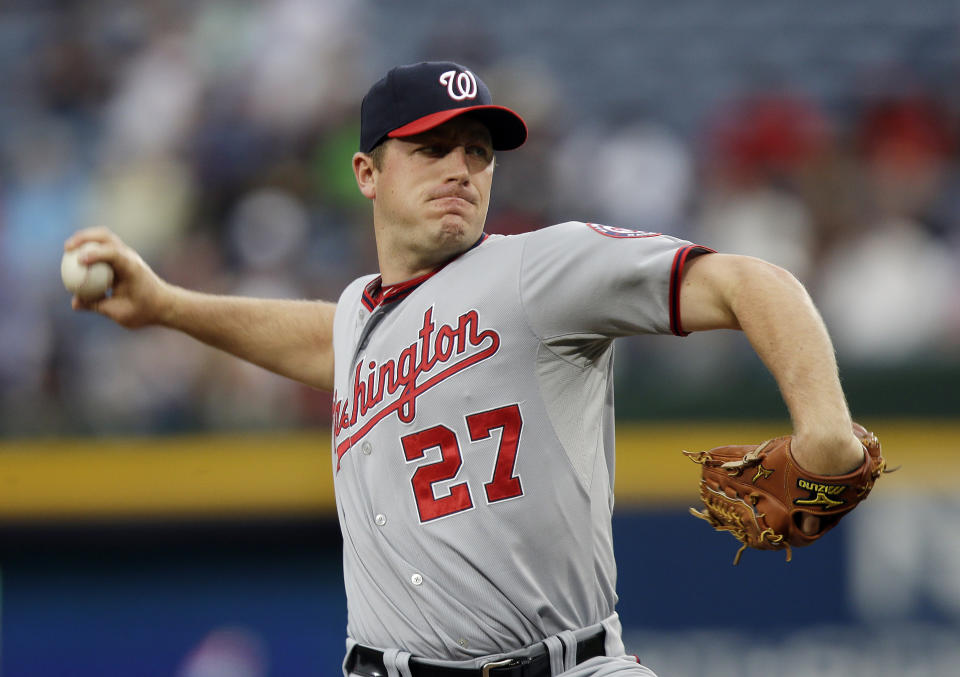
(369, 662)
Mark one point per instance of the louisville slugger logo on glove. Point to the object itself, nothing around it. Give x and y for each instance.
(757, 493)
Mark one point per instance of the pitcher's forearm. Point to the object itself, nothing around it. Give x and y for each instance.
(292, 338)
(787, 333)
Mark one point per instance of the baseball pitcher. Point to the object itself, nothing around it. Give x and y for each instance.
(473, 423)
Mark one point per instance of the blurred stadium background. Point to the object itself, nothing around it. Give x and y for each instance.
(167, 511)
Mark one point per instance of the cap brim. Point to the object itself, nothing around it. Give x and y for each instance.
(507, 129)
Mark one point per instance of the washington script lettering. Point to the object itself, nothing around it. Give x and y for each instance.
(395, 381)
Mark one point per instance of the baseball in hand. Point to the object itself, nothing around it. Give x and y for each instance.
(89, 283)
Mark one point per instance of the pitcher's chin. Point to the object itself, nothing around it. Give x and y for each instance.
(455, 228)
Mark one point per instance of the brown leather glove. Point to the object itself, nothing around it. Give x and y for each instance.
(758, 493)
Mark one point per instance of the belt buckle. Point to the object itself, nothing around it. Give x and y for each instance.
(487, 667)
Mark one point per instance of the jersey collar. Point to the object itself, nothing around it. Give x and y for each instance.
(377, 294)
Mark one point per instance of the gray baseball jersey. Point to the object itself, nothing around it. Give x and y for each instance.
(473, 441)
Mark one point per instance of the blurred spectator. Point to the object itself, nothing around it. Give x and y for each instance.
(151, 110)
(762, 221)
(146, 201)
(765, 137)
(267, 233)
(906, 145)
(757, 151)
(44, 189)
(129, 383)
(301, 63)
(888, 295)
(635, 174)
(888, 291)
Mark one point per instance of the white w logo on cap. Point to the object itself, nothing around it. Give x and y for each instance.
(460, 86)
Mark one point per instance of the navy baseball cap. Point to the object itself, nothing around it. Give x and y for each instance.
(413, 99)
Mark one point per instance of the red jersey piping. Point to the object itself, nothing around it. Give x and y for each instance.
(680, 259)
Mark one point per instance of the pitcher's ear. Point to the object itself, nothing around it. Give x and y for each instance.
(365, 171)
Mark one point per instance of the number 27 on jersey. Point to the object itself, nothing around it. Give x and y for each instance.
(503, 484)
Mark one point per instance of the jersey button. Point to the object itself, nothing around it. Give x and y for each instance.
(380, 520)
(366, 448)
(416, 579)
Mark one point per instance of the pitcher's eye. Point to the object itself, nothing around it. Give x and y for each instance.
(480, 152)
